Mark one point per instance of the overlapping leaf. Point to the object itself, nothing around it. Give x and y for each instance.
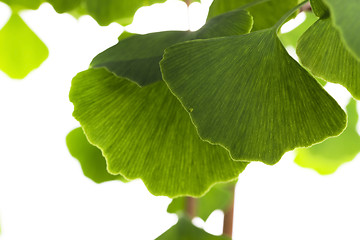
(185, 230)
(90, 157)
(291, 38)
(265, 14)
(145, 133)
(345, 16)
(62, 6)
(327, 156)
(21, 51)
(248, 95)
(319, 8)
(219, 197)
(332, 61)
(137, 58)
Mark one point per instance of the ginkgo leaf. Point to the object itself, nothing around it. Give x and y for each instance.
(90, 157)
(141, 64)
(62, 6)
(332, 61)
(319, 8)
(122, 11)
(345, 16)
(185, 230)
(265, 14)
(327, 156)
(291, 38)
(21, 51)
(219, 197)
(247, 94)
(145, 133)
(23, 4)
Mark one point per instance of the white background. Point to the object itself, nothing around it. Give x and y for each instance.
(44, 195)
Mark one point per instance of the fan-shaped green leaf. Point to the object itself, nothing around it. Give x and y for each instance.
(321, 50)
(23, 4)
(248, 95)
(345, 16)
(62, 6)
(21, 51)
(122, 11)
(319, 8)
(185, 230)
(265, 14)
(137, 58)
(327, 156)
(90, 157)
(145, 133)
(219, 197)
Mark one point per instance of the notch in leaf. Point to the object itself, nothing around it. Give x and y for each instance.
(248, 95)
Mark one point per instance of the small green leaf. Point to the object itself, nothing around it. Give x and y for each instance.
(90, 157)
(23, 4)
(327, 156)
(141, 64)
(122, 11)
(291, 38)
(247, 94)
(345, 16)
(219, 197)
(319, 8)
(145, 133)
(185, 230)
(21, 51)
(332, 61)
(62, 6)
(265, 14)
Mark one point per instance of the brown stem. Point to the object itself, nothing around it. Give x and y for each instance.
(229, 216)
(191, 207)
(188, 2)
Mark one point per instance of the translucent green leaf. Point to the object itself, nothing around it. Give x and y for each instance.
(327, 156)
(62, 6)
(319, 8)
(291, 38)
(247, 94)
(265, 14)
(145, 133)
(122, 11)
(321, 50)
(21, 4)
(137, 58)
(90, 157)
(21, 51)
(219, 197)
(185, 230)
(345, 16)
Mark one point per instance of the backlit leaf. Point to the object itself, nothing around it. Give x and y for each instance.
(185, 230)
(327, 156)
(265, 14)
(21, 4)
(91, 160)
(145, 133)
(332, 61)
(219, 197)
(122, 11)
(137, 58)
(345, 16)
(247, 94)
(21, 51)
